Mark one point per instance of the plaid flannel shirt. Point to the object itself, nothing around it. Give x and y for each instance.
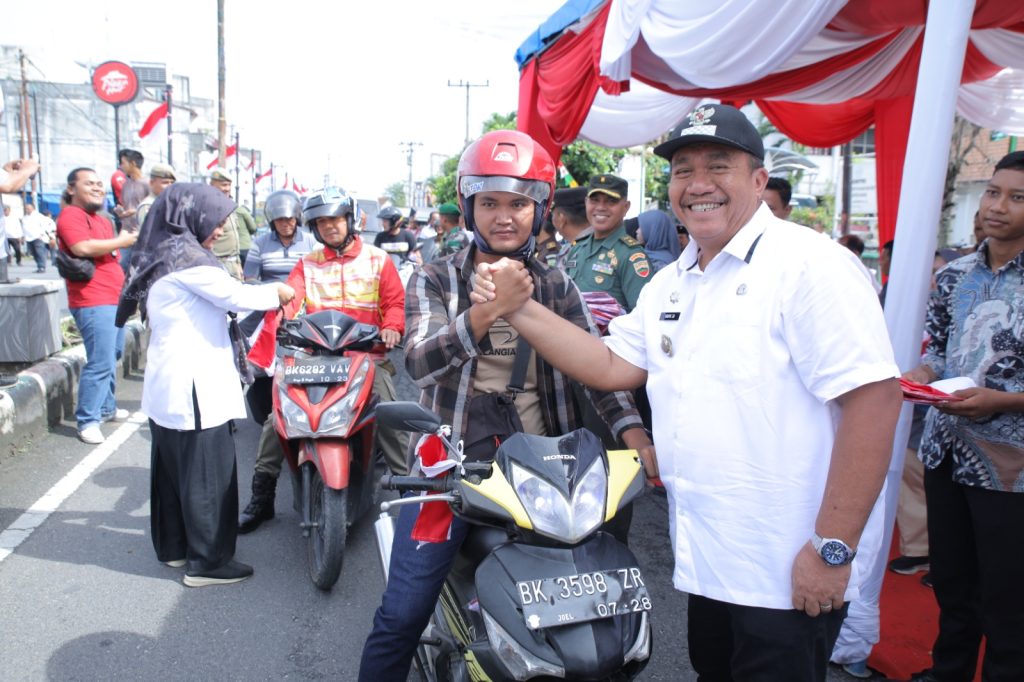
(441, 353)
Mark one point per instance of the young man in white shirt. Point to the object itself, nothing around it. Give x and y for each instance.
(774, 399)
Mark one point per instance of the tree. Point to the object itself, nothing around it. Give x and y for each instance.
(396, 193)
(965, 140)
(444, 182)
(499, 122)
(583, 159)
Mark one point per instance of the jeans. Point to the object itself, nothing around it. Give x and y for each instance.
(415, 579)
(37, 247)
(104, 344)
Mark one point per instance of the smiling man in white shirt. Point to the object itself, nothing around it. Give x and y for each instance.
(774, 398)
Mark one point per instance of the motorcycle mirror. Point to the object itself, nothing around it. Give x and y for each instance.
(407, 416)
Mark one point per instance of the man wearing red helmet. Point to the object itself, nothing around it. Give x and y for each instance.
(456, 350)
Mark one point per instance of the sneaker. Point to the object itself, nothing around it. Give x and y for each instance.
(908, 565)
(119, 415)
(7, 380)
(177, 563)
(926, 580)
(91, 434)
(858, 669)
(231, 572)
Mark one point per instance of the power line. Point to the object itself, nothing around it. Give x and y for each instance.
(468, 85)
(70, 101)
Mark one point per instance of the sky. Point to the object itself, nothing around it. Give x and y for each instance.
(316, 85)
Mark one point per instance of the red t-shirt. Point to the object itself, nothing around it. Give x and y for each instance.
(75, 225)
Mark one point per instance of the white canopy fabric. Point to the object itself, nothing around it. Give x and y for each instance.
(683, 46)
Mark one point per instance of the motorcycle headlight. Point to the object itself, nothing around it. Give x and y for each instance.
(556, 517)
(519, 662)
(296, 422)
(336, 419)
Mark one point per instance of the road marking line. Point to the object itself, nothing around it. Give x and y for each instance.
(22, 527)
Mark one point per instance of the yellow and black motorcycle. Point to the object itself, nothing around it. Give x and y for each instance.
(537, 590)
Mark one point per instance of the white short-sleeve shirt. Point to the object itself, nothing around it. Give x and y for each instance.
(744, 360)
(189, 346)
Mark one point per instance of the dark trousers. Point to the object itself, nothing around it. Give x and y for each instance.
(194, 496)
(37, 248)
(976, 549)
(750, 644)
(14, 245)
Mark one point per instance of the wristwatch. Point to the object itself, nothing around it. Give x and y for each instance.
(833, 551)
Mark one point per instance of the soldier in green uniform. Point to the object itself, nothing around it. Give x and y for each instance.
(569, 217)
(609, 260)
(451, 238)
(228, 247)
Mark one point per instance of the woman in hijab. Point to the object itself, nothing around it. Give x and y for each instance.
(192, 390)
(657, 233)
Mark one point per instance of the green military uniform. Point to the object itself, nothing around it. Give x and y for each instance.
(246, 227)
(548, 251)
(616, 265)
(227, 246)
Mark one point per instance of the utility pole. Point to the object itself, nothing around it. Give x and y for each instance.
(468, 85)
(167, 98)
(410, 147)
(222, 121)
(252, 165)
(238, 177)
(39, 148)
(26, 122)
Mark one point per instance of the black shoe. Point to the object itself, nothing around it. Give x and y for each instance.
(908, 565)
(231, 572)
(926, 580)
(261, 506)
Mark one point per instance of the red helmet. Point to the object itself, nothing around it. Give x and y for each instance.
(507, 161)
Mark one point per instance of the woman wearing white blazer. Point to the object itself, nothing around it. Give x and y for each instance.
(192, 389)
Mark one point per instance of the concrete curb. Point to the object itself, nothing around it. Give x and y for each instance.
(45, 393)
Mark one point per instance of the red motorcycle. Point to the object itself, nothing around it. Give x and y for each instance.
(324, 415)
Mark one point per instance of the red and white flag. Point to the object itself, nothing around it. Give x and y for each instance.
(434, 522)
(265, 174)
(229, 152)
(155, 117)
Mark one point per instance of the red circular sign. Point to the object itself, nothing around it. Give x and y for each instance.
(115, 82)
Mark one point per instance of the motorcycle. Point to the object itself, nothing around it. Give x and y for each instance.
(323, 411)
(537, 589)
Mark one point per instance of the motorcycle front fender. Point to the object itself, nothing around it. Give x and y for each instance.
(332, 457)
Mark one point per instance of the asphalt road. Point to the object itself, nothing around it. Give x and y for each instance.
(84, 598)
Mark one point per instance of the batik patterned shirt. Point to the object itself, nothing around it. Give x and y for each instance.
(976, 323)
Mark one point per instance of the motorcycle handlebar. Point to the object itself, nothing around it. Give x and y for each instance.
(392, 482)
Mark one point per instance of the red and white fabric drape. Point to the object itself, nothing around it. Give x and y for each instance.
(633, 68)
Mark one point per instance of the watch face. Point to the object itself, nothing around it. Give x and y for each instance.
(835, 553)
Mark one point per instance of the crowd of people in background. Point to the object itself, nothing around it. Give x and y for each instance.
(734, 317)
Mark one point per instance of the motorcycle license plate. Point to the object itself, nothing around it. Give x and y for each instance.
(582, 597)
(317, 371)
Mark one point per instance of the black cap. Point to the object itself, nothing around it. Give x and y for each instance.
(717, 124)
(612, 185)
(568, 197)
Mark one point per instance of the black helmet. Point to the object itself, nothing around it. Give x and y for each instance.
(282, 204)
(391, 214)
(328, 202)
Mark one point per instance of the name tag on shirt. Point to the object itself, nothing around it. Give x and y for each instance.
(671, 317)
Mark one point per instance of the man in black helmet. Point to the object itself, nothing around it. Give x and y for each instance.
(272, 258)
(400, 243)
(342, 276)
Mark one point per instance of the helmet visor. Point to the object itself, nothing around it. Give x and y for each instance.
(531, 189)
